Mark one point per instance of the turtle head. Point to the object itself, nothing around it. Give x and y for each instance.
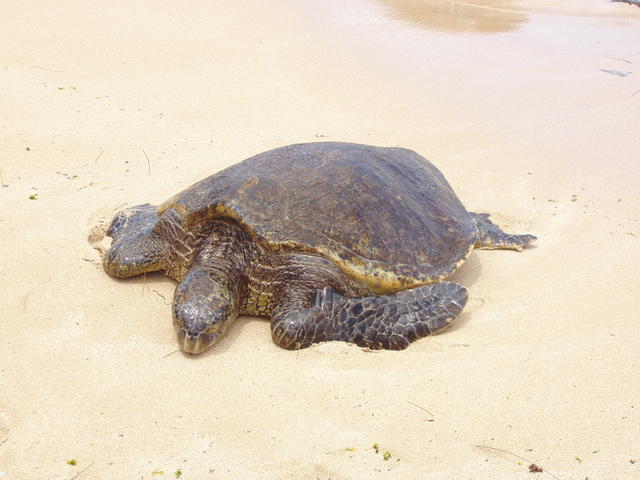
(203, 308)
(136, 248)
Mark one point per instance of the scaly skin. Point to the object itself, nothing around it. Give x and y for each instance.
(210, 296)
(377, 322)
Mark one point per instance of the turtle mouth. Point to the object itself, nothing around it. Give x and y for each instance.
(119, 270)
(194, 344)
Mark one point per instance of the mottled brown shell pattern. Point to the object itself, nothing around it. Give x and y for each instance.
(386, 216)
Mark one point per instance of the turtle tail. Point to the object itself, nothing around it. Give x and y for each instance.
(491, 237)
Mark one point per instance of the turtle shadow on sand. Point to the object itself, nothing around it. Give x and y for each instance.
(469, 272)
(330, 240)
(467, 275)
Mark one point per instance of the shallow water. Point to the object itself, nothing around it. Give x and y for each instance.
(478, 17)
(484, 73)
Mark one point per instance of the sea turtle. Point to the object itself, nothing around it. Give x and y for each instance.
(331, 240)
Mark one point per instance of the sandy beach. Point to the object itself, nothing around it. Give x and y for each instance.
(530, 109)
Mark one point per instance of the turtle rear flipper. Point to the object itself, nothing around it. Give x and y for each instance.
(491, 237)
(380, 321)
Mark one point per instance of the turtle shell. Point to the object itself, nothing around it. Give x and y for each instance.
(386, 216)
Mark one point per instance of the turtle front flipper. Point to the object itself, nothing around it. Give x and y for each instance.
(136, 248)
(378, 322)
(491, 237)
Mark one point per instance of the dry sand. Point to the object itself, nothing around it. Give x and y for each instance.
(530, 108)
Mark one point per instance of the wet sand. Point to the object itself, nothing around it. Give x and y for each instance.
(530, 109)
